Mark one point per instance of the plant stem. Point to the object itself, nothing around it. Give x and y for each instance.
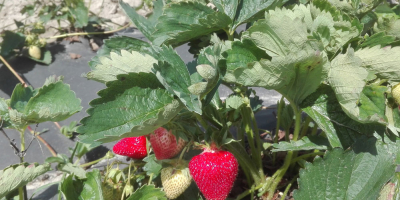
(12, 70)
(249, 191)
(201, 120)
(305, 127)
(71, 159)
(21, 158)
(288, 187)
(307, 156)
(88, 33)
(150, 178)
(52, 151)
(278, 124)
(314, 130)
(256, 155)
(302, 134)
(277, 177)
(279, 174)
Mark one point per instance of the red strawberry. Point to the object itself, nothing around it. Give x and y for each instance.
(133, 147)
(164, 144)
(214, 172)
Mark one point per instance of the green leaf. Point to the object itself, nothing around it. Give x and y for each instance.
(172, 72)
(45, 58)
(227, 6)
(358, 173)
(152, 167)
(306, 143)
(341, 131)
(148, 192)
(251, 10)
(18, 175)
(21, 96)
(347, 77)
(147, 27)
(187, 20)
(87, 189)
(108, 68)
(118, 43)
(239, 56)
(10, 42)
(52, 102)
(378, 39)
(80, 13)
(133, 105)
(278, 34)
(73, 169)
(381, 61)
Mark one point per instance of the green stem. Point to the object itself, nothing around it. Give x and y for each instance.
(201, 120)
(281, 171)
(88, 33)
(288, 187)
(306, 156)
(230, 34)
(21, 193)
(256, 131)
(278, 123)
(302, 134)
(151, 177)
(305, 127)
(247, 192)
(297, 126)
(287, 133)
(286, 191)
(71, 159)
(279, 174)
(314, 130)
(22, 190)
(256, 155)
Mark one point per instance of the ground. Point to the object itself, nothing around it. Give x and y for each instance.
(108, 9)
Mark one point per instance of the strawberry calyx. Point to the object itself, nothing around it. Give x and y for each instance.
(213, 147)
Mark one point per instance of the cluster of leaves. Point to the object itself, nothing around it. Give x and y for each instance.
(324, 57)
(330, 59)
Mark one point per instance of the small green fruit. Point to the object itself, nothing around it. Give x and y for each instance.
(396, 93)
(175, 181)
(42, 42)
(35, 52)
(29, 39)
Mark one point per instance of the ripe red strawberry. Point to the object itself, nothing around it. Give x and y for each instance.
(133, 147)
(214, 172)
(164, 144)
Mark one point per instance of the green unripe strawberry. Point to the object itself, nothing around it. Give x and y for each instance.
(29, 39)
(175, 181)
(111, 190)
(396, 93)
(42, 42)
(35, 52)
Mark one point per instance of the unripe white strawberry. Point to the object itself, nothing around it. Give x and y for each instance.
(35, 52)
(396, 93)
(175, 181)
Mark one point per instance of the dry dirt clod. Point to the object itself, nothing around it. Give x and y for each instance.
(74, 56)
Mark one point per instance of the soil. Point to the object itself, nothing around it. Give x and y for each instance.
(108, 9)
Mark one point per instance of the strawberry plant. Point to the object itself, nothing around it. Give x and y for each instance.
(335, 63)
(331, 60)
